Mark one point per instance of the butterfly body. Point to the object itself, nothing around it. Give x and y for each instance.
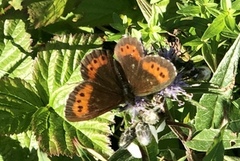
(109, 82)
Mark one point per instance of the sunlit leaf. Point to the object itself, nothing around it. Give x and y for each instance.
(45, 12)
(18, 102)
(215, 27)
(56, 74)
(15, 57)
(215, 104)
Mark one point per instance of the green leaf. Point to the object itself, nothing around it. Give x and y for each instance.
(42, 156)
(189, 10)
(216, 150)
(205, 140)
(234, 115)
(168, 145)
(18, 102)
(15, 58)
(209, 56)
(215, 28)
(236, 5)
(230, 22)
(145, 8)
(56, 73)
(26, 139)
(55, 65)
(215, 104)
(150, 150)
(43, 13)
(226, 4)
(16, 4)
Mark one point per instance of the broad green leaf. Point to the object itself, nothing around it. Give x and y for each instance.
(215, 27)
(216, 150)
(55, 65)
(15, 58)
(18, 102)
(50, 133)
(45, 12)
(205, 139)
(234, 116)
(215, 105)
(56, 136)
(56, 74)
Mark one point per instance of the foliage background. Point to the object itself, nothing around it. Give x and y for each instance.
(43, 41)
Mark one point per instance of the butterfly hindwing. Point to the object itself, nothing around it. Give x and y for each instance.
(100, 91)
(89, 100)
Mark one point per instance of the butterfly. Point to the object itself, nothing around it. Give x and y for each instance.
(108, 82)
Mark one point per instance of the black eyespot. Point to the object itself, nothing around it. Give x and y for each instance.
(103, 57)
(80, 108)
(162, 75)
(82, 94)
(122, 49)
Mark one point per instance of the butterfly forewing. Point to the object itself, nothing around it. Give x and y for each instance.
(156, 74)
(129, 52)
(145, 74)
(98, 66)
